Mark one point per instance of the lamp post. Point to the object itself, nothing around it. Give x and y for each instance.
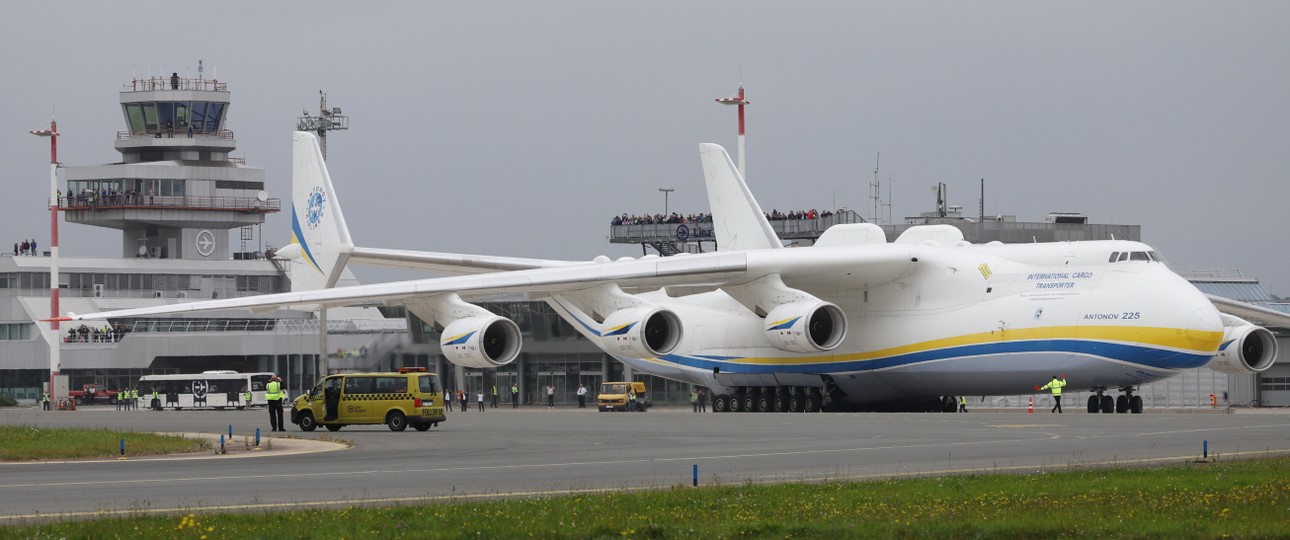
(55, 337)
(666, 191)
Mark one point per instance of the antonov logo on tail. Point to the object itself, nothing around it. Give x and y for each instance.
(314, 207)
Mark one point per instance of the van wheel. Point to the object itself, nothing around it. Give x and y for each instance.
(396, 421)
(333, 427)
(421, 427)
(307, 422)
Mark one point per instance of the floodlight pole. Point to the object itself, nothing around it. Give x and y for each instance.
(666, 191)
(55, 364)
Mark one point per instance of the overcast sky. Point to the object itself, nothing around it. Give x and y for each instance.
(521, 128)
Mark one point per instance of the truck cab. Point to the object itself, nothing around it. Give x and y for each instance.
(615, 396)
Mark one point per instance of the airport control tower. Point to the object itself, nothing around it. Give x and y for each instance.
(176, 192)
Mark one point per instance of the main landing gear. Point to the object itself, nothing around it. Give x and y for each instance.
(1124, 403)
(774, 399)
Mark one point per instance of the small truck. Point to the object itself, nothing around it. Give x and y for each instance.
(91, 393)
(614, 397)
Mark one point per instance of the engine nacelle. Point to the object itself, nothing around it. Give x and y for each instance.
(806, 327)
(641, 332)
(1246, 349)
(481, 342)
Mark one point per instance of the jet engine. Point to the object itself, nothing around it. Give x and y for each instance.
(806, 327)
(481, 342)
(1246, 349)
(641, 332)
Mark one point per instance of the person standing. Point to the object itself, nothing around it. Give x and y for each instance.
(461, 398)
(44, 401)
(480, 398)
(515, 396)
(494, 401)
(274, 394)
(631, 400)
(962, 404)
(703, 400)
(550, 396)
(694, 400)
(582, 396)
(1056, 387)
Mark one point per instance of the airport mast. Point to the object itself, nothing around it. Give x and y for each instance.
(875, 189)
(327, 120)
(55, 363)
(738, 99)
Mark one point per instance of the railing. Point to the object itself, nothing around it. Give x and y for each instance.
(287, 326)
(703, 231)
(95, 201)
(175, 83)
(176, 133)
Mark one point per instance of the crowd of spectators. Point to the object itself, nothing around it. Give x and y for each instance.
(660, 219)
(25, 247)
(106, 334)
(774, 215)
(107, 197)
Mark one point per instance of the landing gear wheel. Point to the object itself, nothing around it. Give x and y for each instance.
(810, 404)
(307, 422)
(1135, 405)
(734, 402)
(781, 404)
(333, 427)
(749, 404)
(1094, 404)
(1108, 405)
(764, 403)
(396, 421)
(721, 403)
(1121, 404)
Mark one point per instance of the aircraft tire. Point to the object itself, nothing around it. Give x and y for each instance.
(721, 403)
(749, 404)
(809, 404)
(1108, 405)
(733, 403)
(1121, 404)
(781, 403)
(1135, 405)
(1093, 405)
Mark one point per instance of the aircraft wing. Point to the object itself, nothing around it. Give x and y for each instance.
(451, 263)
(714, 268)
(1255, 314)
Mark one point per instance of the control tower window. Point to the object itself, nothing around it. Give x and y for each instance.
(134, 117)
(149, 117)
(166, 116)
(214, 117)
(181, 116)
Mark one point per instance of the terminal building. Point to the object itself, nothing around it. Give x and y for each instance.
(190, 213)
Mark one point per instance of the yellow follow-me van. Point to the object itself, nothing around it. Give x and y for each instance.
(409, 397)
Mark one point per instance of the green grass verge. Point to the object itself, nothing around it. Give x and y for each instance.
(27, 443)
(1243, 499)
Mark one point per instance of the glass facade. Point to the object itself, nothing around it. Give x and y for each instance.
(157, 117)
(144, 186)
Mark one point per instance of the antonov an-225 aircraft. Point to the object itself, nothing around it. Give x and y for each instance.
(852, 322)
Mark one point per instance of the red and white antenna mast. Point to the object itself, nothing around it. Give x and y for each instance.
(55, 364)
(738, 99)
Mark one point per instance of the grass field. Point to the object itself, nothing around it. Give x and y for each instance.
(26, 443)
(1241, 499)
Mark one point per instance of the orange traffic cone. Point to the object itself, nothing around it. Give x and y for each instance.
(1031, 407)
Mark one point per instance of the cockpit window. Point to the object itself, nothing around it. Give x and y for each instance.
(1124, 256)
(1138, 256)
(1155, 257)
(1113, 256)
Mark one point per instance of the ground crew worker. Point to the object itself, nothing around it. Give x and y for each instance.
(1056, 386)
(44, 400)
(631, 400)
(248, 399)
(962, 404)
(156, 401)
(694, 401)
(134, 398)
(493, 403)
(120, 399)
(273, 393)
(515, 396)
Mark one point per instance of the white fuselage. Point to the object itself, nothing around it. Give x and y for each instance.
(961, 320)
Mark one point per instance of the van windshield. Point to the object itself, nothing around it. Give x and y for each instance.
(618, 388)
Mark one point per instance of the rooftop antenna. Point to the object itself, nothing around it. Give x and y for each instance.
(199, 70)
(327, 120)
(888, 203)
(875, 189)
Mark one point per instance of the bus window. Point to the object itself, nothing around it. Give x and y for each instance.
(358, 385)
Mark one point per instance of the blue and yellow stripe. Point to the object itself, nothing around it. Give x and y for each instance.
(298, 237)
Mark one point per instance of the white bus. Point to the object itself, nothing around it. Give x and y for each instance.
(208, 389)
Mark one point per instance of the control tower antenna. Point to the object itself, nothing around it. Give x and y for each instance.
(327, 120)
(738, 99)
